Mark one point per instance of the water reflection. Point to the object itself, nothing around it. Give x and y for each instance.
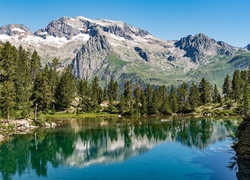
(81, 143)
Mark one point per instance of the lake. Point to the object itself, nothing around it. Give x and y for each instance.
(133, 148)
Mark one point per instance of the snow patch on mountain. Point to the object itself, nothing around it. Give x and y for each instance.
(4, 37)
(18, 30)
(117, 38)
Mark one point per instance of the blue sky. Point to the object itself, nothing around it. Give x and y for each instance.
(226, 20)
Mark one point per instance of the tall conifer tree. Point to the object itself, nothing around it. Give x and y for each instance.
(8, 68)
(66, 89)
(204, 88)
(194, 96)
(173, 100)
(227, 87)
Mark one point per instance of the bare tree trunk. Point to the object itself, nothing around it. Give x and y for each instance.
(8, 116)
(35, 113)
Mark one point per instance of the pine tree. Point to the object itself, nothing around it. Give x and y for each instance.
(66, 89)
(122, 104)
(163, 93)
(143, 101)
(173, 100)
(246, 100)
(194, 96)
(183, 97)
(249, 74)
(149, 97)
(96, 92)
(53, 78)
(41, 96)
(55, 64)
(83, 88)
(7, 97)
(216, 95)
(8, 68)
(163, 100)
(227, 87)
(23, 83)
(153, 109)
(35, 65)
(110, 89)
(127, 93)
(137, 98)
(165, 108)
(113, 90)
(105, 94)
(204, 89)
(236, 85)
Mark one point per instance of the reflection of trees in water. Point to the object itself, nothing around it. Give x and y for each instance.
(87, 142)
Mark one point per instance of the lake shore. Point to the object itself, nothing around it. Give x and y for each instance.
(23, 126)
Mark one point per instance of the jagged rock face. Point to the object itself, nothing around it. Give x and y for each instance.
(70, 27)
(15, 29)
(242, 148)
(125, 31)
(91, 56)
(143, 54)
(65, 27)
(200, 45)
(90, 46)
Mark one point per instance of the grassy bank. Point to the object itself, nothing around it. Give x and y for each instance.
(73, 115)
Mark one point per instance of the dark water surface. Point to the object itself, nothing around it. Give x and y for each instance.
(125, 149)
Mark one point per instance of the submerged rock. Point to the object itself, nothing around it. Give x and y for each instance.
(242, 148)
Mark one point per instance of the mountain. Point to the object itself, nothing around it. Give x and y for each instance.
(248, 47)
(199, 46)
(116, 50)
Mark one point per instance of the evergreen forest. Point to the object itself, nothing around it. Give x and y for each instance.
(27, 88)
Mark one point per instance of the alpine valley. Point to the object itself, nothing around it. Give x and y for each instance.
(118, 51)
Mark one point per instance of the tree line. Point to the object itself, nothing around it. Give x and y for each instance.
(26, 87)
(237, 89)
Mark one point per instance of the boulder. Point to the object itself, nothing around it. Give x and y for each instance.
(53, 124)
(23, 128)
(47, 125)
(242, 148)
(22, 122)
(1, 137)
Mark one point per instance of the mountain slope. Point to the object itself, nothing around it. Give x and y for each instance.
(116, 50)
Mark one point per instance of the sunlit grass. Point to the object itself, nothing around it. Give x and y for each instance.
(82, 115)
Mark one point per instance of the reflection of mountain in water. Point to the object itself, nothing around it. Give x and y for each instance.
(120, 143)
(81, 143)
(107, 149)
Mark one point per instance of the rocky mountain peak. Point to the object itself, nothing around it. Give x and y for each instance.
(200, 45)
(64, 27)
(248, 47)
(15, 29)
(69, 27)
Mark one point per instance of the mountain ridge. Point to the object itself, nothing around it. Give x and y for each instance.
(87, 44)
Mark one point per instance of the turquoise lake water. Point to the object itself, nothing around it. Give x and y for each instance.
(125, 149)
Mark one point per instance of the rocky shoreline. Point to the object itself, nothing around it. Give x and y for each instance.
(242, 147)
(21, 126)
